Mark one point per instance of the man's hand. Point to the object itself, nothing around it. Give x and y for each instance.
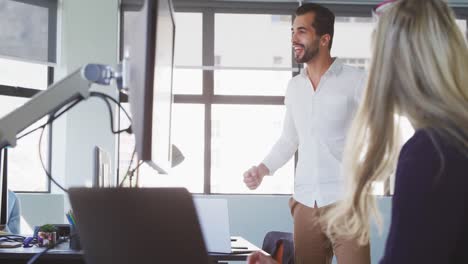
(259, 258)
(254, 176)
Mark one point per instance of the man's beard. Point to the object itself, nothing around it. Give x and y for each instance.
(309, 53)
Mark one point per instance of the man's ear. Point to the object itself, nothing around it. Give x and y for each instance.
(325, 40)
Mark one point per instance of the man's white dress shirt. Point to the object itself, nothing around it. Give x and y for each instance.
(317, 123)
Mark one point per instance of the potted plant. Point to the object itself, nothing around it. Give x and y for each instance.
(47, 236)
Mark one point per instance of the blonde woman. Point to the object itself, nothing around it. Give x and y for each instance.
(419, 70)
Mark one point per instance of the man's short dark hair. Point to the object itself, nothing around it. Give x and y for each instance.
(324, 19)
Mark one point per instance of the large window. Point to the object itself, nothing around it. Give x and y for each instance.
(241, 137)
(252, 57)
(25, 171)
(27, 47)
(228, 109)
(232, 68)
(353, 50)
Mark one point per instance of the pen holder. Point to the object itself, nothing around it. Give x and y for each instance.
(74, 239)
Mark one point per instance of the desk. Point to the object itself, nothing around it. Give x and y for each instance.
(237, 254)
(62, 254)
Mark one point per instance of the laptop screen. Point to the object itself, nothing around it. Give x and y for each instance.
(214, 220)
(138, 225)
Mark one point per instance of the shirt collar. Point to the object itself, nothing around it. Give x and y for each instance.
(334, 69)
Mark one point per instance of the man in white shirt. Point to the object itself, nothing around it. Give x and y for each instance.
(320, 104)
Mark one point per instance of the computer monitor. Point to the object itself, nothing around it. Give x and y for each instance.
(147, 34)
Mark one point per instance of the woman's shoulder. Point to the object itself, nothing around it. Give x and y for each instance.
(428, 152)
(421, 155)
(429, 141)
(421, 142)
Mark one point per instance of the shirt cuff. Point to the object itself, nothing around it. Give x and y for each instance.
(269, 163)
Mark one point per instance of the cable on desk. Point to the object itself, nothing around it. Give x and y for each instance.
(94, 94)
(44, 167)
(105, 98)
(12, 238)
(113, 100)
(133, 172)
(128, 169)
(52, 117)
(38, 255)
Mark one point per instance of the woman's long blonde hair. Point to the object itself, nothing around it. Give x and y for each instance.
(419, 69)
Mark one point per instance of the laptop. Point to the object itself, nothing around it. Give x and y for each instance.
(138, 225)
(214, 220)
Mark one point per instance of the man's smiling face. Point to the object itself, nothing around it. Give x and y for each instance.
(305, 40)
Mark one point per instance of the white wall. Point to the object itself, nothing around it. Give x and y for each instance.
(39, 209)
(252, 216)
(88, 34)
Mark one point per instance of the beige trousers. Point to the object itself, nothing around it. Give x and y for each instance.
(313, 246)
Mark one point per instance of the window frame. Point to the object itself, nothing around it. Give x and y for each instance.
(208, 9)
(23, 92)
(208, 98)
